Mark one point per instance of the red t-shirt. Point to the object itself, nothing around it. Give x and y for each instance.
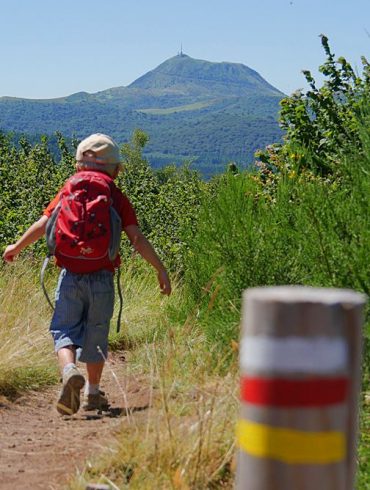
(128, 217)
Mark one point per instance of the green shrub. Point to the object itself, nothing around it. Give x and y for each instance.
(309, 231)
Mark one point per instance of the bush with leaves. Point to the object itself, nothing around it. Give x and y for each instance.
(322, 124)
(166, 201)
(29, 179)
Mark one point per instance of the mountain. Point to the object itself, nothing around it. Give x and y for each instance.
(187, 76)
(191, 109)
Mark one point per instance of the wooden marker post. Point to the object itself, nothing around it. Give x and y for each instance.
(300, 362)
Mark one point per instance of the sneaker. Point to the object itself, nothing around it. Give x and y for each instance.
(69, 398)
(95, 402)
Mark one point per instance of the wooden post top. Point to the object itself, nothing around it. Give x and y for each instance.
(298, 294)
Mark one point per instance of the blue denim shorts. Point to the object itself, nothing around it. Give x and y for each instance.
(83, 310)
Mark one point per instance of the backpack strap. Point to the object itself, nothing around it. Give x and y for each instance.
(42, 280)
(120, 299)
(116, 230)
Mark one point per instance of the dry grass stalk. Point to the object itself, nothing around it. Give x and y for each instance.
(26, 351)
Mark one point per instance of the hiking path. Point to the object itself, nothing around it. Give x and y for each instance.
(41, 450)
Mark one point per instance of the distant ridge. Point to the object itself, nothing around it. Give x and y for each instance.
(209, 112)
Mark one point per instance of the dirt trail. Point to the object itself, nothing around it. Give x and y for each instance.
(39, 449)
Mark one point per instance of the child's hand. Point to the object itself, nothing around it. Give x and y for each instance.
(10, 253)
(164, 282)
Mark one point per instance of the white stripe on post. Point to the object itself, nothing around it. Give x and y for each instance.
(293, 354)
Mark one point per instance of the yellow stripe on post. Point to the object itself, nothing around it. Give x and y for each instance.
(291, 446)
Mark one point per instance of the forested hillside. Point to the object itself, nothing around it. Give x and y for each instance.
(210, 113)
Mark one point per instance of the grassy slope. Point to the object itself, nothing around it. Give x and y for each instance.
(181, 108)
(188, 438)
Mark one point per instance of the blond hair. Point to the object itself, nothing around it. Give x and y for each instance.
(108, 168)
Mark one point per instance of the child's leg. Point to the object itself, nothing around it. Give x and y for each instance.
(66, 355)
(67, 324)
(94, 397)
(67, 331)
(94, 372)
(95, 345)
(73, 381)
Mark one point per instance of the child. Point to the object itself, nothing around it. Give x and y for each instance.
(85, 292)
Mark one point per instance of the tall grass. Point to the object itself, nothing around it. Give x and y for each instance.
(144, 308)
(186, 439)
(26, 351)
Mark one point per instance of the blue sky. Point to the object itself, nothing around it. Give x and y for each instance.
(52, 48)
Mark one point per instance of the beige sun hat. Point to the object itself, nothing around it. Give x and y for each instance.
(98, 149)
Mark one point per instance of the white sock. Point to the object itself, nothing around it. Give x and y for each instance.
(68, 366)
(91, 389)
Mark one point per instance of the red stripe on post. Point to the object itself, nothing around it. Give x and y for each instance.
(293, 393)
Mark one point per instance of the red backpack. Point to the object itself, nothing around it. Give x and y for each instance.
(84, 226)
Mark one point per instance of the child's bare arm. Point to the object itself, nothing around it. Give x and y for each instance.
(34, 232)
(146, 250)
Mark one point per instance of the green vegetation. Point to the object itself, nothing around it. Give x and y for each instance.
(301, 217)
(305, 230)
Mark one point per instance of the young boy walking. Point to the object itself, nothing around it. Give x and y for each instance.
(85, 292)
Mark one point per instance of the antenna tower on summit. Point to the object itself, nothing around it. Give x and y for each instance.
(181, 51)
